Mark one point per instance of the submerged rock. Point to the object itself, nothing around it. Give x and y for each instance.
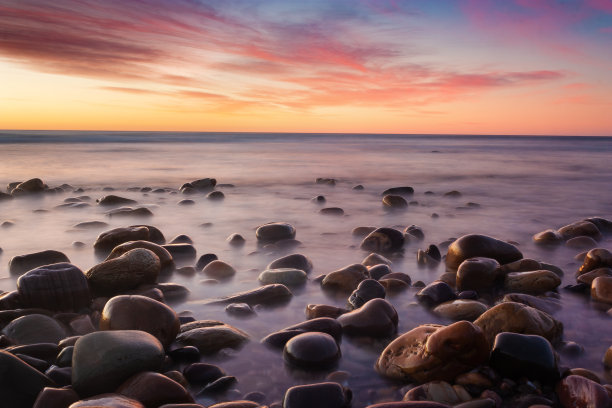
(394, 202)
(383, 240)
(580, 228)
(474, 245)
(297, 261)
(263, 295)
(111, 200)
(366, 290)
(165, 258)
(275, 231)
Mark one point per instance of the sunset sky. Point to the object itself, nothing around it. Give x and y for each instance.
(430, 66)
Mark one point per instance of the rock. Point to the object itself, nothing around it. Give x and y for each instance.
(477, 274)
(337, 211)
(406, 191)
(155, 235)
(90, 225)
(376, 318)
(231, 404)
(59, 375)
(522, 265)
(219, 385)
(415, 232)
(215, 196)
(548, 238)
(275, 231)
(375, 259)
(393, 285)
(378, 271)
(409, 404)
(103, 360)
(110, 239)
(135, 267)
(202, 373)
(435, 293)
(113, 200)
(453, 194)
(394, 202)
(461, 309)
(589, 277)
(205, 260)
(580, 228)
(107, 401)
(602, 224)
(268, 294)
(239, 309)
(219, 270)
(316, 311)
(210, 340)
(366, 290)
(154, 389)
(581, 242)
(318, 199)
(34, 185)
(346, 279)
(518, 318)
(474, 245)
(596, 258)
(320, 395)
(438, 391)
(607, 359)
(532, 282)
(312, 350)
(383, 240)
(285, 276)
(519, 355)
(296, 261)
(33, 329)
(130, 212)
(55, 398)
(21, 383)
(236, 240)
(548, 305)
(362, 231)
(186, 202)
(583, 372)
(23, 263)
(575, 391)
(601, 289)
(60, 287)
(322, 324)
(140, 313)
(432, 352)
(181, 252)
(165, 258)
(325, 180)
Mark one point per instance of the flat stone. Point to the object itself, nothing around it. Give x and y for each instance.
(103, 360)
(210, 340)
(315, 311)
(519, 355)
(23, 263)
(114, 200)
(590, 276)
(20, 383)
(540, 281)
(334, 211)
(130, 212)
(108, 240)
(549, 237)
(285, 276)
(312, 350)
(474, 245)
(581, 242)
(580, 228)
(107, 401)
(404, 190)
(461, 309)
(438, 391)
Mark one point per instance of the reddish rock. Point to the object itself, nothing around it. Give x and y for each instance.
(154, 389)
(575, 391)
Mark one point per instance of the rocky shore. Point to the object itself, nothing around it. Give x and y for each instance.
(111, 335)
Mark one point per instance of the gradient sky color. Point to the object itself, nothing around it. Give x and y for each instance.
(388, 66)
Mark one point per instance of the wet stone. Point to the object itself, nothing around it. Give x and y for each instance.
(297, 261)
(383, 240)
(21, 383)
(110, 239)
(320, 395)
(548, 238)
(236, 240)
(438, 391)
(268, 294)
(435, 293)
(362, 231)
(210, 340)
(394, 202)
(540, 281)
(215, 196)
(477, 274)
(581, 243)
(219, 270)
(474, 245)
(596, 258)
(588, 277)
(334, 211)
(601, 289)
(461, 309)
(205, 260)
(114, 200)
(154, 389)
(181, 251)
(405, 190)
(239, 309)
(202, 373)
(575, 391)
(312, 350)
(346, 279)
(580, 228)
(519, 355)
(55, 398)
(108, 400)
(366, 290)
(322, 324)
(316, 311)
(378, 271)
(545, 304)
(275, 231)
(376, 318)
(23, 263)
(375, 259)
(165, 258)
(33, 329)
(285, 276)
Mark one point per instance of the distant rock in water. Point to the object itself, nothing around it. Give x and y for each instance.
(383, 240)
(405, 191)
(275, 231)
(326, 181)
(31, 186)
(198, 186)
(111, 200)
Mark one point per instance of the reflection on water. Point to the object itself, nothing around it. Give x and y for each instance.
(524, 185)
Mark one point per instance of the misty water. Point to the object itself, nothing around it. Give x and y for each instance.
(523, 185)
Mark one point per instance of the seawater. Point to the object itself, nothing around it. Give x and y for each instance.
(523, 185)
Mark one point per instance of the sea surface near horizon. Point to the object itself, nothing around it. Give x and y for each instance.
(523, 185)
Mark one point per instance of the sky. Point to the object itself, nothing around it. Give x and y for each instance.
(364, 66)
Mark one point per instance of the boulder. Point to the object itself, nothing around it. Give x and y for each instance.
(474, 245)
(20, 383)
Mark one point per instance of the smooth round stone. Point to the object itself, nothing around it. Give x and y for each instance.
(219, 270)
(205, 260)
(383, 240)
(34, 185)
(181, 251)
(215, 196)
(477, 274)
(461, 309)
(23, 263)
(186, 202)
(399, 276)
(34, 328)
(202, 373)
(285, 276)
(432, 352)
(134, 312)
(107, 401)
(347, 278)
(580, 228)
(366, 290)
(394, 202)
(211, 339)
(59, 287)
(518, 318)
(326, 180)
(596, 258)
(581, 243)
(267, 294)
(548, 305)
(601, 289)
(362, 231)
(62, 376)
(334, 211)
(435, 293)
(316, 311)
(474, 245)
(590, 276)
(378, 271)
(239, 309)
(320, 395)
(519, 355)
(219, 385)
(103, 360)
(135, 267)
(275, 231)
(604, 225)
(312, 350)
(575, 391)
(532, 282)
(114, 200)
(295, 261)
(318, 199)
(21, 383)
(376, 318)
(415, 232)
(108, 240)
(64, 358)
(322, 324)
(404, 190)
(55, 398)
(522, 265)
(375, 259)
(154, 389)
(549, 237)
(165, 259)
(236, 240)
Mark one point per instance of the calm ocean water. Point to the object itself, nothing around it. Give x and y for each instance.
(523, 185)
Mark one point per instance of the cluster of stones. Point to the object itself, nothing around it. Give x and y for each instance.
(31, 187)
(107, 338)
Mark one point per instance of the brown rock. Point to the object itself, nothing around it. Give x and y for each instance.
(583, 372)
(477, 274)
(106, 401)
(548, 237)
(383, 240)
(375, 259)
(580, 228)
(474, 245)
(347, 278)
(394, 202)
(141, 313)
(219, 270)
(316, 311)
(23, 263)
(588, 277)
(461, 309)
(114, 200)
(596, 258)
(210, 340)
(545, 304)
(108, 240)
(55, 398)
(581, 243)
(165, 259)
(601, 289)
(575, 391)
(532, 282)
(154, 389)
(432, 352)
(522, 265)
(438, 391)
(376, 318)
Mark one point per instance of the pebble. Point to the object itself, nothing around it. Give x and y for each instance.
(580, 228)
(320, 395)
(383, 241)
(334, 211)
(275, 231)
(219, 270)
(346, 279)
(285, 276)
(23, 263)
(202, 373)
(545, 304)
(438, 391)
(519, 355)
(590, 276)
(362, 231)
(316, 311)
(596, 258)
(165, 258)
(366, 290)
(375, 259)
(108, 240)
(474, 245)
(55, 398)
(296, 261)
(181, 251)
(128, 212)
(114, 200)
(236, 240)
(33, 329)
(404, 190)
(239, 309)
(154, 389)
(107, 400)
(601, 289)
(581, 243)
(215, 196)
(376, 318)
(378, 271)
(478, 274)
(312, 350)
(205, 260)
(549, 237)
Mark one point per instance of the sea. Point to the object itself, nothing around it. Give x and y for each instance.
(511, 187)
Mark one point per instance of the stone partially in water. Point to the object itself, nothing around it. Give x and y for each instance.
(320, 395)
(432, 352)
(405, 190)
(549, 237)
(267, 294)
(575, 391)
(322, 324)
(316, 311)
(154, 389)
(461, 309)
(519, 355)
(130, 212)
(165, 258)
(215, 196)
(394, 202)
(346, 279)
(33, 329)
(601, 289)
(202, 373)
(219, 270)
(210, 340)
(375, 259)
(312, 350)
(596, 258)
(297, 261)
(112, 200)
(438, 392)
(545, 304)
(580, 228)
(107, 400)
(54, 398)
(275, 231)
(366, 290)
(581, 243)
(108, 240)
(477, 274)
(518, 318)
(435, 293)
(140, 313)
(60, 287)
(474, 245)
(285, 276)
(589, 277)
(376, 318)
(532, 282)
(335, 211)
(23, 263)
(103, 360)
(20, 383)
(383, 240)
